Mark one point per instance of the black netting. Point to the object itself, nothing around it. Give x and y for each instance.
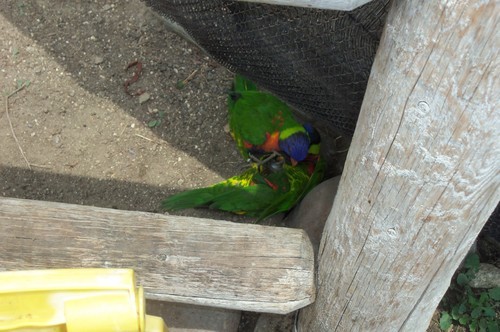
(318, 61)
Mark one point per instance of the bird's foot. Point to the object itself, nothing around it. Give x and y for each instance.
(260, 161)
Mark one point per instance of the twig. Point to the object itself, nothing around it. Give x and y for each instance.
(40, 166)
(190, 77)
(181, 84)
(144, 137)
(10, 122)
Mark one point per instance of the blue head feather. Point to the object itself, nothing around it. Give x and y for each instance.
(296, 145)
(313, 133)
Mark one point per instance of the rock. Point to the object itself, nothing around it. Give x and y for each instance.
(144, 97)
(488, 276)
(312, 212)
(98, 60)
(57, 141)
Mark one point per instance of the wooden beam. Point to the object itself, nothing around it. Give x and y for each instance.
(423, 172)
(179, 259)
(318, 4)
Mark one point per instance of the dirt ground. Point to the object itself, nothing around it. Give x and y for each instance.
(86, 140)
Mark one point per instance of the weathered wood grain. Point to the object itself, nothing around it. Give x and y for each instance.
(179, 259)
(319, 4)
(423, 172)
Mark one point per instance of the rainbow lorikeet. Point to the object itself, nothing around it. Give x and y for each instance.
(261, 123)
(261, 191)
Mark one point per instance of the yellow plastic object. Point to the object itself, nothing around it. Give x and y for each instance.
(74, 300)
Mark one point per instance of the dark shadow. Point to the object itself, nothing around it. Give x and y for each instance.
(95, 41)
(193, 317)
(45, 186)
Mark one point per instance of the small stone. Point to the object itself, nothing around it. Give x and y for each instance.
(56, 140)
(488, 276)
(106, 8)
(98, 60)
(312, 212)
(144, 98)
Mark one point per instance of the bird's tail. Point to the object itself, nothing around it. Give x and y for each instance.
(189, 199)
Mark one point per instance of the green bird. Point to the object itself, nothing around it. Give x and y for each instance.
(286, 163)
(261, 191)
(260, 123)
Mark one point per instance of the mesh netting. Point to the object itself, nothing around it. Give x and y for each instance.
(318, 61)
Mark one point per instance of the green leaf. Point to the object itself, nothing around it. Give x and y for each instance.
(483, 298)
(463, 320)
(445, 321)
(483, 324)
(473, 325)
(489, 312)
(462, 279)
(154, 123)
(20, 83)
(472, 262)
(495, 293)
(455, 312)
(472, 300)
(462, 308)
(476, 312)
(493, 326)
(180, 85)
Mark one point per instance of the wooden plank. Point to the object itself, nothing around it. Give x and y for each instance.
(423, 172)
(178, 259)
(318, 4)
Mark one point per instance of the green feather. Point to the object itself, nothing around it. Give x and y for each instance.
(265, 188)
(237, 194)
(300, 182)
(254, 114)
(250, 192)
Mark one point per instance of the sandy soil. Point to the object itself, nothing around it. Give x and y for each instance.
(86, 140)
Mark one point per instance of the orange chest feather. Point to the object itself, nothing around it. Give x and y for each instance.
(271, 144)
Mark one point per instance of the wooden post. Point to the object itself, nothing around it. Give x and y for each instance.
(422, 175)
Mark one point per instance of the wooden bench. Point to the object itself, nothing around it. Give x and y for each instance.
(179, 259)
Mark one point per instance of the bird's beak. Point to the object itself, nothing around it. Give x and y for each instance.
(294, 162)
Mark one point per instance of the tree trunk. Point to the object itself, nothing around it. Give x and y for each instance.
(422, 175)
